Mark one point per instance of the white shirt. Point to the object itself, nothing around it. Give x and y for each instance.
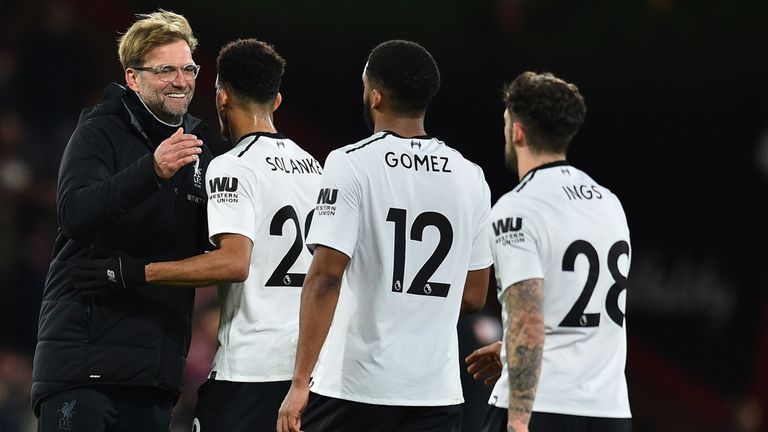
(560, 225)
(412, 215)
(264, 189)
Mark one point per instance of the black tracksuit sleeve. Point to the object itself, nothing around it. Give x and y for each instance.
(93, 191)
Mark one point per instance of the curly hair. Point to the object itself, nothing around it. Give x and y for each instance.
(407, 74)
(550, 109)
(150, 31)
(252, 69)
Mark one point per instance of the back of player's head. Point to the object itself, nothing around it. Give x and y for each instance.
(252, 69)
(150, 31)
(406, 73)
(550, 109)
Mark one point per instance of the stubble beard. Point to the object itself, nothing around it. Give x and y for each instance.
(367, 114)
(224, 126)
(510, 157)
(159, 104)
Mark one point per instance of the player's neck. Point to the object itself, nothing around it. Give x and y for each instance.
(403, 126)
(243, 123)
(528, 162)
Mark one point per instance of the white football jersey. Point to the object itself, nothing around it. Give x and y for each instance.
(412, 215)
(264, 189)
(560, 225)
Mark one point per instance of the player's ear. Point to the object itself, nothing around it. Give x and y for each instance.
(131, 77)
(278, 101)
(222, 98)
(518, 133)
(376, 98)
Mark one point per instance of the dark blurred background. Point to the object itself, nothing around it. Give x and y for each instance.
(676, 91)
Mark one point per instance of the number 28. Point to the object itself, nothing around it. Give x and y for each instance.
(576, 316)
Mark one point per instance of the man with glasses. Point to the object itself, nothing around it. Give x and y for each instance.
(258, 215)
(130, 184)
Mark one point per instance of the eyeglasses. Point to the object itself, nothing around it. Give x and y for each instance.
(168, 73)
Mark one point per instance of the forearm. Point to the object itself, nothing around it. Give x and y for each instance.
(318, 305)
(475, 291)
(524, 348)
(201, 270)
(229, 263)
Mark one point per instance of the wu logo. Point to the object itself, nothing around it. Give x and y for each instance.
(506, 225)
(280, 144)
(327, 196)
(111, 276)
(223, 184)
(416, 144)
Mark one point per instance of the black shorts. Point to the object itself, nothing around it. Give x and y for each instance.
(329, 414)
(107, 408)
(238, 406)
(496, 421)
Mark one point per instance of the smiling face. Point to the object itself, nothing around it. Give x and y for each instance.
(167, 100)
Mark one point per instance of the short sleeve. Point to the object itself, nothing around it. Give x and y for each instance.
(481, 256)
(515, 247)
(336, 219)
(232, 198)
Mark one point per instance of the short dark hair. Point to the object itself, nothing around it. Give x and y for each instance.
(550, 109)
(252, 69)
(407, 74)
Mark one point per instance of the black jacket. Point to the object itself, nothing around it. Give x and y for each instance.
(110, 201)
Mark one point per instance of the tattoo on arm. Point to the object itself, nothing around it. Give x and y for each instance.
(525, 345)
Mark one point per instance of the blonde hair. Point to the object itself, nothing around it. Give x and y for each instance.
(150, 31)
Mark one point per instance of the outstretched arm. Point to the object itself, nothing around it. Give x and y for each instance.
(318, 305)
(525, 346)
(229, 263)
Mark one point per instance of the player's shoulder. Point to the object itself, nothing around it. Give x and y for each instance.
(366, 143)
(226, 160)
(360, 153)
(515, 201)
(470, 165)
(226, 166)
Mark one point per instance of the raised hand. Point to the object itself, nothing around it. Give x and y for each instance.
(174, 152)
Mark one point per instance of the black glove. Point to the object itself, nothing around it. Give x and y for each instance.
(120, 273)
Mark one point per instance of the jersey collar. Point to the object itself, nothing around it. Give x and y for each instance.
(421, 137)
(550, 165)
(257, 135)
(528, 177)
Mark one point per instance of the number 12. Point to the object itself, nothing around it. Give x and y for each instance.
(421, 285)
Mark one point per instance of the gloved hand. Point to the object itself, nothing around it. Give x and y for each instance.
(95, 276)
